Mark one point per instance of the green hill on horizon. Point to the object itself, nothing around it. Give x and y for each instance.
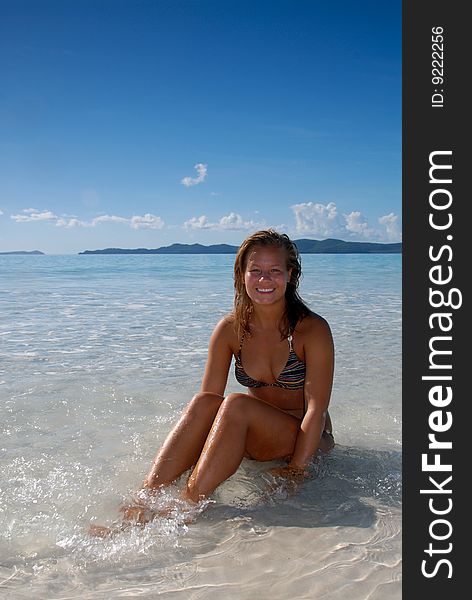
(305, 246)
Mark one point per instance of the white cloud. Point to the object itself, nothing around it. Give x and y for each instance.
(323, 220)
(392, 228)
(317, 219)
(1, 212)
(356, 223)
(147, 221)
(199, 223)
(202, 173)
(32, 214)
(108, 219)
(233, 221)
(70, 222)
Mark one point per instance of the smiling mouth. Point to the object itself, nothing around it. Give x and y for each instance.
(265, 290)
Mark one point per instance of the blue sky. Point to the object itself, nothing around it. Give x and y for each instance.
(142, 123)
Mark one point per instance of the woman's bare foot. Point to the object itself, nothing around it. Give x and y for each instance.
(102, 531)
(134, 514)
(140, 514)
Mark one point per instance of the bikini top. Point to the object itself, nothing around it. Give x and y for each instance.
(292, 376)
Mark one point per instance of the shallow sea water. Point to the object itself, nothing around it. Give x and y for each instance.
(99, 354)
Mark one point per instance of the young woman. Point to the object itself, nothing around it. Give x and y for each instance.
(284, 356)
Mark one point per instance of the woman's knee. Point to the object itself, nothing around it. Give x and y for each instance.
(236, 406)
(203, 404)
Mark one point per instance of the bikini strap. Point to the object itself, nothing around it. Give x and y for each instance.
(241, 344)
(290, 338)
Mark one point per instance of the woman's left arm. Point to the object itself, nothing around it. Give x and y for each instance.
(319, 359)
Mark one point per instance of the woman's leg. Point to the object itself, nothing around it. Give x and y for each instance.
(244, 426)
(184, 443)
(179, 452)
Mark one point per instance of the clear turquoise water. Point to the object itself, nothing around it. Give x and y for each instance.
(98, 354)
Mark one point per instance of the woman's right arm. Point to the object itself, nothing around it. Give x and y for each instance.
(219, 358)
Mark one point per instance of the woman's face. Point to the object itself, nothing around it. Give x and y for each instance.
(266, 274)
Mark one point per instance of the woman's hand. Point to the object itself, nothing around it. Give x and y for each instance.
(287, 479)
(295, 474)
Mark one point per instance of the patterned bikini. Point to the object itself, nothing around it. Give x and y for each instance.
(292, 376)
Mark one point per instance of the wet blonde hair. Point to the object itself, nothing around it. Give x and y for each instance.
(295, 308)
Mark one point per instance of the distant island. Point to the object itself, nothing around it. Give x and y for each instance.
(23, 252)
(305, 246)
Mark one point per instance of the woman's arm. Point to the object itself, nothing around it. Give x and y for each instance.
(319, 358)
(219, 358)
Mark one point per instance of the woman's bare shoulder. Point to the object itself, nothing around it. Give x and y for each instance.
(225, 329)
(314, 325)
(227, 322)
